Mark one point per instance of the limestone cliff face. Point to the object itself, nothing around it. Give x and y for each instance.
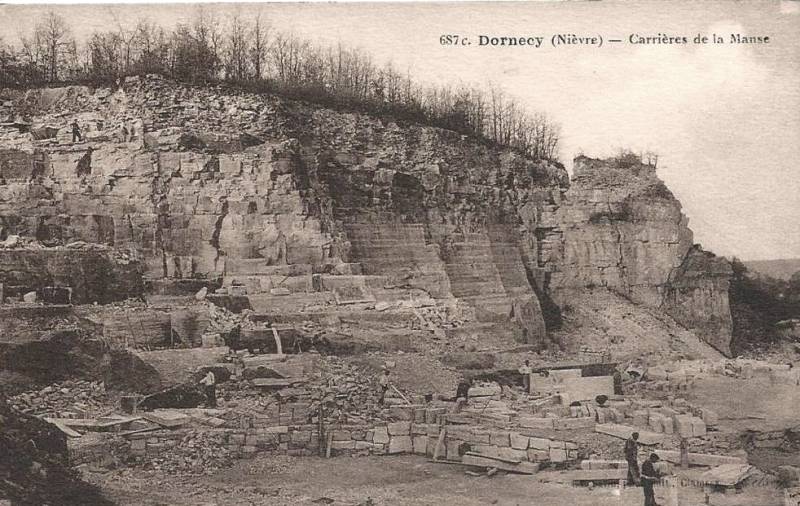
(208, 182)
(619, 227)
(697, 297)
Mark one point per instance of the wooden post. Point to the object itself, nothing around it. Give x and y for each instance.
(400, 394)
(277, 338)
(684, 453)
(321, 439)
(440, 442)
(328, 445)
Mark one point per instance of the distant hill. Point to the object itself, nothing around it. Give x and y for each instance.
(780, 269)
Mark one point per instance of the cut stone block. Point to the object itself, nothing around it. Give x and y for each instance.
(381, 435)
(499, 439)
(699, 459)
(399, 428)
(523, 467)
(400, 444)
(683, 425)
(343, 445)
(603, 464)
(709, 417)
(538, 443)
(586, 388)
(584, 475)
(698, 427)
(573, 423)
(452, 449)
(538, 455)
(624, 432)
(420, 444)
(530, 422)
(519, 442)
(498, 453)
(363, 445)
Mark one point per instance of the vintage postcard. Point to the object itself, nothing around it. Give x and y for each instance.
(400, 253)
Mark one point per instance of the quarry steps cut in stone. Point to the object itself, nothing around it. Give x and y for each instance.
(416, 207)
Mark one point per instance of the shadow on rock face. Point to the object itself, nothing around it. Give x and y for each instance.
(65, 355)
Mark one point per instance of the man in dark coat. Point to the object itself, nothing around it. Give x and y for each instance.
(76, 131)
(631, 456)
(649, 478)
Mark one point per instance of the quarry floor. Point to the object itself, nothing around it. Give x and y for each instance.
(423, 363)
(406, 480)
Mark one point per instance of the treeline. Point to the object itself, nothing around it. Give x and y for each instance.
(758, 302)
(248, 52)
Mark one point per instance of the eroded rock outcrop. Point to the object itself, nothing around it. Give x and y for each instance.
(619, 227)
(267, 193)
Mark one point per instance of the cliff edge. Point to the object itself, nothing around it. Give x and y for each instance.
(271, 194)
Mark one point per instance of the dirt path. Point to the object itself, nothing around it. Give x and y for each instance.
(402, 480)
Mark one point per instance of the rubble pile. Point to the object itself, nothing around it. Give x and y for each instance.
(33, 466)
(348, 393)
(196, 453)
(443, 316)
(68, 399)
(221, 320)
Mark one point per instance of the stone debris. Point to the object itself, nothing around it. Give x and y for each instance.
(68, 399)
(727, 475)
(701, 459)
(192, 453)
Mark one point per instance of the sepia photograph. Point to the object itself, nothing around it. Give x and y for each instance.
(416, 253)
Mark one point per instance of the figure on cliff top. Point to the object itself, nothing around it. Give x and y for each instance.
(76, 132)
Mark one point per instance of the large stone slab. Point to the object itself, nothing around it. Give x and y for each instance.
(584, 475)
(624, 432)
(523, 467)
(400, 444)
(700, 459)
(586, 388)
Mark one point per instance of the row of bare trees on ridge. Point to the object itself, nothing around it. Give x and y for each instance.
(248, 52)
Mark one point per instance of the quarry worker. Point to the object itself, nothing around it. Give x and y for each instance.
(106, 369)
(649, 478)
(525, 370)
(631, 456)
(84, 167)
(76, 131)
(209, 383)
(383, 381)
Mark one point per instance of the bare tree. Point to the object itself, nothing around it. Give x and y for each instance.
(52, 37)
(258, 48)
(242, 50)
(237, 48)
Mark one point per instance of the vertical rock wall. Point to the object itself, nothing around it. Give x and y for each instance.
(619, 227)
(215, 179)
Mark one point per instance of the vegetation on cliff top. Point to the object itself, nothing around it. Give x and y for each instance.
(248, 53)
(758, 302)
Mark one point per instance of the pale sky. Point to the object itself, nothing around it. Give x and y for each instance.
(724, 118)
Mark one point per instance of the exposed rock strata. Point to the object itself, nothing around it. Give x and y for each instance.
(266, 192)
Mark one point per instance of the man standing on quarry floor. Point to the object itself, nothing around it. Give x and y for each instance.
(209, 383)
(525, 370)
(384, 383)
(649, 478)
(631, 456)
